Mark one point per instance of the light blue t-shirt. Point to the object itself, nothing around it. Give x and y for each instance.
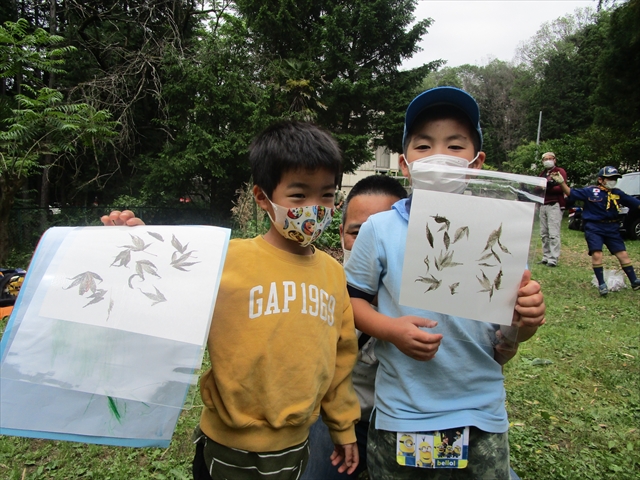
(462, 385)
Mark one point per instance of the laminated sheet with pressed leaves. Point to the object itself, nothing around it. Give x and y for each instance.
(466, 252)
(108, 330)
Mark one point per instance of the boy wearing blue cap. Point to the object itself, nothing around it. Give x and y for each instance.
(601, 216)
(417, 390)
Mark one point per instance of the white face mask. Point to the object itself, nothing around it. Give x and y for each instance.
(440, 180)
(610, 184)
(548, 164)
(347, 254)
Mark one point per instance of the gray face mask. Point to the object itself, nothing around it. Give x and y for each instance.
(610, 184)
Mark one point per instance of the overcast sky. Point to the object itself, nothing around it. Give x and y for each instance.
(476, 31)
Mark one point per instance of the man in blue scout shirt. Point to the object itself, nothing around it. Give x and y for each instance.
(602, 223)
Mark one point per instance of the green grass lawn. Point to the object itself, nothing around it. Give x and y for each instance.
(573, 395)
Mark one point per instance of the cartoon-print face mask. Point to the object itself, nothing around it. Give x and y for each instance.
(301, 224)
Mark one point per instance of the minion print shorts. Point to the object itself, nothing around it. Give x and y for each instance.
(488, 458)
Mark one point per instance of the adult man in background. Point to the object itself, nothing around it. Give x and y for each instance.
(551, 211)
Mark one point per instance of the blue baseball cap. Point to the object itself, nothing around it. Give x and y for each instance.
(443, 96)
(609, 172)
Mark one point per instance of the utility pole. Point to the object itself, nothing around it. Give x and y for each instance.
(538, 139)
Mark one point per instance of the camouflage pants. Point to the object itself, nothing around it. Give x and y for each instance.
(488, 458)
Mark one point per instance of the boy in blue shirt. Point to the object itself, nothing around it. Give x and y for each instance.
(417, 390)
(601, 218)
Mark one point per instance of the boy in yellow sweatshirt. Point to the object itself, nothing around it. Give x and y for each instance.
(282, 340)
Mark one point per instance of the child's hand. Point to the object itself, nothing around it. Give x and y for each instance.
(530, 307)
(528, 313)
(414, 342)
(127, 217)
(557, 177)
(505, 350)
(348, 455)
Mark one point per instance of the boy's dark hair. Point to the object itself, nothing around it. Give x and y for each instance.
(291, 145)
(442, 112)
(374, 185)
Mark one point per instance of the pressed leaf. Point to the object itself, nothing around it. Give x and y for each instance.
(462, 231)
(157, 297)
(85, 282)
(177, 245)
(429, 235)
(441, 219)
(124, 257)
(98, 296)
(503, 248)
(181, 262)
(493, 238)
(485, 256)
(435, 286)
(143, 266)
(156, 235)
(498, 280)
(132, 277)
(110, 308)
(484, 281)
(431, 280)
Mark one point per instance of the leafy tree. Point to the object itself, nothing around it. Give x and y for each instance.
(551, 39)
(565, 94)
(346, 56)
(214, 107)
(43, 125)
(617, 95)
(36, 122)
(502, 113)
(26, 53)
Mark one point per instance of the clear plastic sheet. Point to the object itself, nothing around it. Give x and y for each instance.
(499, 208)
(140, 344)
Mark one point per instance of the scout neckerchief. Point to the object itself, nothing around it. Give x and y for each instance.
(611, 198)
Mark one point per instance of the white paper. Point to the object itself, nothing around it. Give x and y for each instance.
(161, 285)
(103, 335)
(478, 274)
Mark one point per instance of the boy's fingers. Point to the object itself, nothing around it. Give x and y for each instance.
(352, 458)
(427, 338)
(126, 217)
(526, 278)
(422, 322)
(337, 456)
(132, 222)
(106, 220)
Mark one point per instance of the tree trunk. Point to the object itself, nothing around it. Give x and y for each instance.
(9, 186)
(45, 188)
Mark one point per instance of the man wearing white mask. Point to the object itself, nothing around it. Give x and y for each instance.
(551, 211)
